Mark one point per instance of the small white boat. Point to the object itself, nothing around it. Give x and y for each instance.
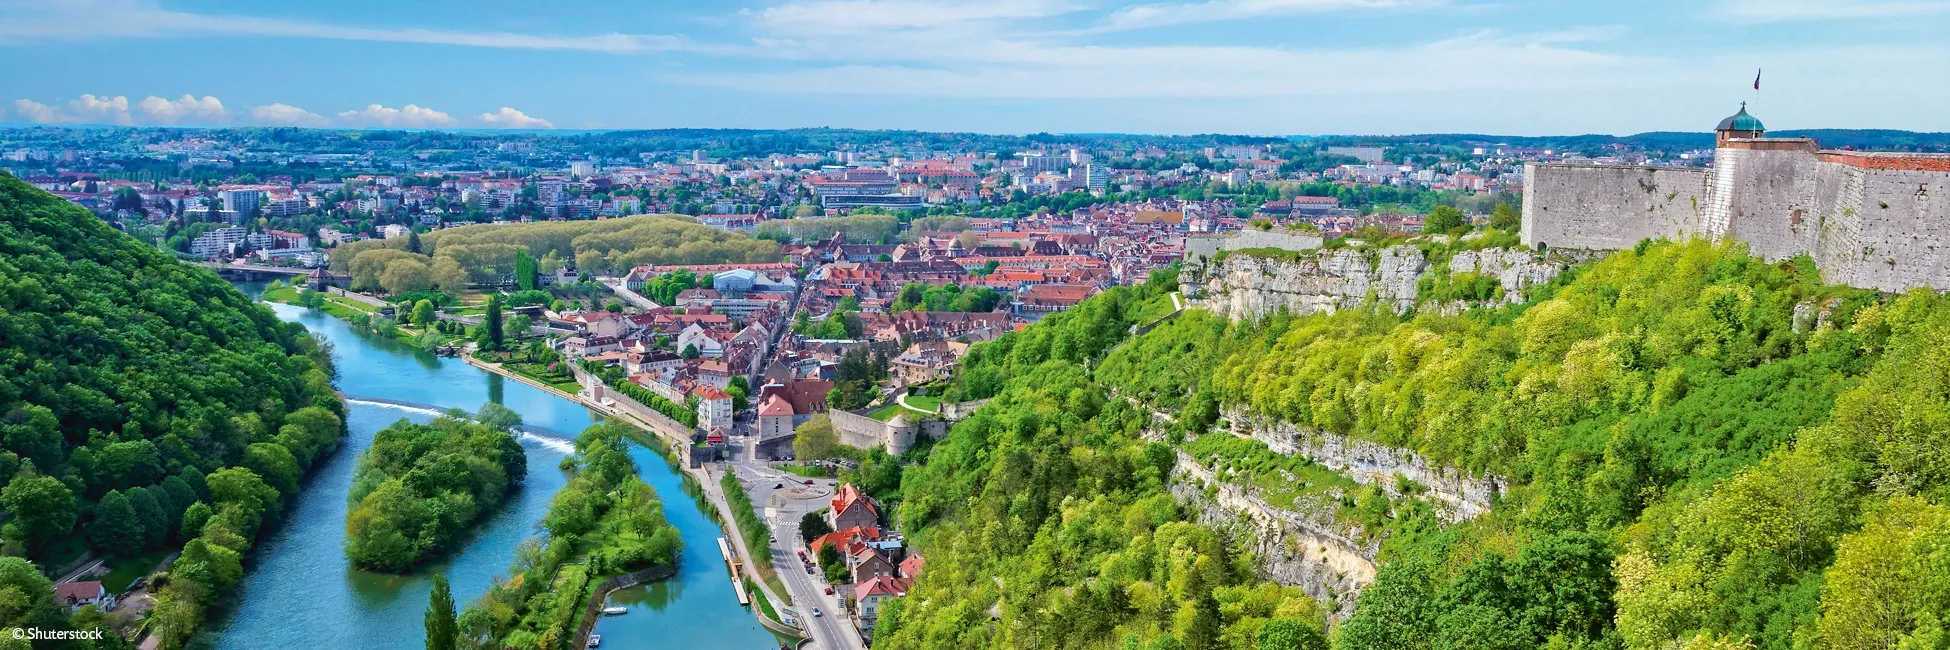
(615, 610)
(595, 640)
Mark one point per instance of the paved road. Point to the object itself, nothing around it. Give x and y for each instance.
(833, 629)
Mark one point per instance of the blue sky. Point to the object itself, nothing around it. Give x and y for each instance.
(1525, 67)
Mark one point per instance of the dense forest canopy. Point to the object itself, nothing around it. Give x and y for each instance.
(1700, 449)
(144, 403)
(453, 258)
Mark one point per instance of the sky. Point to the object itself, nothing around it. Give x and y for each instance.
(1264, 67)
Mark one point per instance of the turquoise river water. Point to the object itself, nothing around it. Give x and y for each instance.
(299, 591)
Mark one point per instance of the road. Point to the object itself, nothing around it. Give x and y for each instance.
(834, 629)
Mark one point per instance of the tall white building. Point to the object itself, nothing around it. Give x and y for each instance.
(217, 242)
(241, 200)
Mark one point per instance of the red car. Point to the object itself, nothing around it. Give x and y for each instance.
(808, 481)
(829, 591)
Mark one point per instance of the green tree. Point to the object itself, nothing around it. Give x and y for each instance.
(32, 431)
(29, 601)
(194, 518)
(493, 322)
(1505, 217)
(442, 631)
(816, 439)
(1290, 634)
(413, 241)
(424, 314)
(39, 509)
(519, 325)
(155, 524)
(525, 271)
(813, 526)
(1443, 219)
(116, 530)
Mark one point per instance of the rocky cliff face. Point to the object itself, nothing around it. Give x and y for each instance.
(1457, 495)
(1251, 286)
(1289, 547)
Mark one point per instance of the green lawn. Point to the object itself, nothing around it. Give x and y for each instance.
(123, 571)
(930, 404)
(758, 596)
(808, 471)
(887, 412)
(562, 381)
(338, 306)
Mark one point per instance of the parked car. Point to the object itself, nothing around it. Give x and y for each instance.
(829, 591)
(809, 482)
(780, 486)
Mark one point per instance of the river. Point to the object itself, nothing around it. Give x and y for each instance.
(299, 590)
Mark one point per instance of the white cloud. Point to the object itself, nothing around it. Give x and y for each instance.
(188, 108)
(286, 115)
(98, 19)
(1035, 70)
(1811, 10)
(509, 118)
(86, 109)
(33, 111)
(411, 117)
(1180, 13)
(868, 16)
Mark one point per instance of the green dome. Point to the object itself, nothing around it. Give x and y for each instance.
(1741, 121)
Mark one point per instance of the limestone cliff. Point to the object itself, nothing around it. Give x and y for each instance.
(1457, 495)
(1289, 547)
(1250, 285)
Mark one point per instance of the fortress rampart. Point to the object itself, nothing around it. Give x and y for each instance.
(1868, 219)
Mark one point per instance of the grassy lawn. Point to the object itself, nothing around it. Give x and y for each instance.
(123, 571)
(561, 381)
(338, 306)
(930, 404)
(758, 596)
(809, 471)
(888, 412)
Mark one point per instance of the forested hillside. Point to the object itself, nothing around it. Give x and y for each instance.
(1701, 450)
(450, 259)
(144, 404)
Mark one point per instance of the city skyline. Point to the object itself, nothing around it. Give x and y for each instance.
(1270, 67)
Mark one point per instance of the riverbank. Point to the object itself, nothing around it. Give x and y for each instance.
(707, 484)
(302, 592)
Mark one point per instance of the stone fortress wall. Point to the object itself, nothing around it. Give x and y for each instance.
(1868, 219)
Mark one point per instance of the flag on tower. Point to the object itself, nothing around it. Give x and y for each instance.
(1756, 78)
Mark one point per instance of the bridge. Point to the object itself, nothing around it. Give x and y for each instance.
(252, 272)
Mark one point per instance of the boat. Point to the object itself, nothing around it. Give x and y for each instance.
(615, 610)
(595, 640)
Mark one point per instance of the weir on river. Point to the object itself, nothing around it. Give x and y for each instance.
(299, 591)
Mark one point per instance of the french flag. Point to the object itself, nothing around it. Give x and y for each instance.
(1756, 79)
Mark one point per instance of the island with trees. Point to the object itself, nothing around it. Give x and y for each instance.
(419, 486)
(606, 522)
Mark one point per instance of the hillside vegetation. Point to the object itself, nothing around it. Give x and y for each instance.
(144, 404)
(1699, 449)
(450, 259)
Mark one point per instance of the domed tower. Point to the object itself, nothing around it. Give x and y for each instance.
(1739, 125)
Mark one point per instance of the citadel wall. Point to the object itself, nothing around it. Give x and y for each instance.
(1609, 207)
(1871, 220)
